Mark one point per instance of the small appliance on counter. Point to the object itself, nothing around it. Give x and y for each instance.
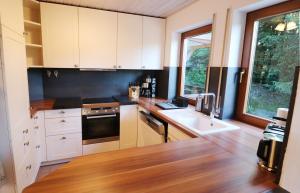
(177, 103)
(148, 87)
(270, 147)
(134, 91)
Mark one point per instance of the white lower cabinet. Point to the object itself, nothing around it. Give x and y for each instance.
(63, 133)
(128, 126)
(55, 126)
(28, 151)
(175, 134)
(40, 135)
(100, 147)
(64, 146)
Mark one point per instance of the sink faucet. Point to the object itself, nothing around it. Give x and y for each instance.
(199, 100)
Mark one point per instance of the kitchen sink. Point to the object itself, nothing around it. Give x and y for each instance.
(197, 122)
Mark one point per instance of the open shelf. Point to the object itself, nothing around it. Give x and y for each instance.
(33, 45)
(33, 33)
(31, 11)
(32, 4)
(31, 24)
(35, 66)
(34, 57)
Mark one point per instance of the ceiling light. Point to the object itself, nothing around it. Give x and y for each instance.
(291, 25)
(280, 27)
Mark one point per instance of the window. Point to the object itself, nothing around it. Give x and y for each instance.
(195, 55)
(269, 60)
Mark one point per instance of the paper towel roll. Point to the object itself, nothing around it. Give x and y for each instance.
(282, 113)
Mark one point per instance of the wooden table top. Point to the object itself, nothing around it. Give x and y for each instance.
(195, 165)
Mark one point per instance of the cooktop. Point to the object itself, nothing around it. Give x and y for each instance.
(98, 100)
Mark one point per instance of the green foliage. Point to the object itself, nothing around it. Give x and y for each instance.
(276, 56)
(196, 68)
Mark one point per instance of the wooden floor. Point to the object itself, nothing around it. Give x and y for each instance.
(45, 170)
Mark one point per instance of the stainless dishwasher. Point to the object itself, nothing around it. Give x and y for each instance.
(151, 130)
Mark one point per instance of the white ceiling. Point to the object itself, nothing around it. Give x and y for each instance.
(158, 8)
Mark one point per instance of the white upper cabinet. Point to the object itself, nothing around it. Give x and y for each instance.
(98, 38)
(60, 35)
(153, 43)
(11, 12)
(130, 40)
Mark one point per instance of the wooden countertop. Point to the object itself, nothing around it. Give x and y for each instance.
(147, 103)
(195, 165)
(221, 162)
(41, 105)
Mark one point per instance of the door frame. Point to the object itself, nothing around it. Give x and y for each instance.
(277, 9)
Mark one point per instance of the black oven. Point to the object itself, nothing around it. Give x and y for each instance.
(100, 125)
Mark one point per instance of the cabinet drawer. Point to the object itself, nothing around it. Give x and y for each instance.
(58, 126)
(64, 146)
(60, 113)
(176, 134)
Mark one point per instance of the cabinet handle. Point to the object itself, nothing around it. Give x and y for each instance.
(115, 66)
(38, 147)
(28, 167)
(143, 67)
(25, 131)
(119, 66)
(62, 112)
(36, 117)
(76, 66)
(36, 127)
(63, 121)
(26, 144)
(63, 138)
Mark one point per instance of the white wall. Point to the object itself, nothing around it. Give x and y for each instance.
(200, 14)
(291, 166)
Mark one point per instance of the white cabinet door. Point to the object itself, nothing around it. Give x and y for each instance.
(11, 12)
(153, 43)
(175, 134)
(64, 146)
(128, 126)
(60, 35)
(40, 135)
(16, 81)
(98, 38)
(130, 39)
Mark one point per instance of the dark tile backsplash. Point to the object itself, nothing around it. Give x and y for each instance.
(35, 80)
(228, 91)
(75, 83)
(85, 84)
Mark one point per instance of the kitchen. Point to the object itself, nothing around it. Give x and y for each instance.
(152, 96)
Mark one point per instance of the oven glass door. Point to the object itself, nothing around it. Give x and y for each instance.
(100, 128)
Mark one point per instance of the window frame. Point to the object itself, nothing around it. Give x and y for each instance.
(281, 8)
(185, 35)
